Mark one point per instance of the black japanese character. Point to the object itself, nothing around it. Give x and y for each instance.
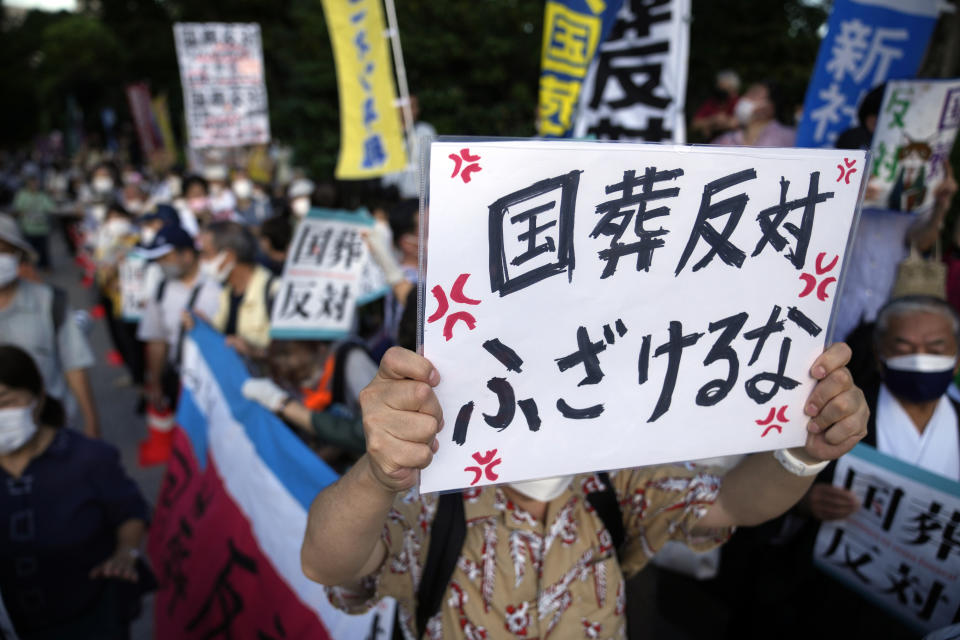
(673, 347)
(772, 218)
(228, 602)
(716, 390)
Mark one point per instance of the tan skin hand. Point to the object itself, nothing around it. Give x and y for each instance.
(827, 502)
(121, 565)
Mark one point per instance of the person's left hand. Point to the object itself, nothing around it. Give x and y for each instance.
(837, 409)
(121, 565)
(238, 344)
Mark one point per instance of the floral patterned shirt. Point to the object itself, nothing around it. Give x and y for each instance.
(518, 577)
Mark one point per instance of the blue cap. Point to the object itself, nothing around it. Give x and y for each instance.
(163, 212)
(170, 238)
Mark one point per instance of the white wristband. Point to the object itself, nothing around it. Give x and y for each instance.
(796, 466)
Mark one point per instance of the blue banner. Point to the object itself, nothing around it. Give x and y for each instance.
(868, 42)
(572, 31)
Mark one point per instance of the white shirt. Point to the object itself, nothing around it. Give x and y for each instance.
(937, 449)
(162, 320)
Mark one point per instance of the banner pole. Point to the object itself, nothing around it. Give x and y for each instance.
(393, 32)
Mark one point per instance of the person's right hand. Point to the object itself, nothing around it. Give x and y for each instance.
(827, 502)
(401, 419)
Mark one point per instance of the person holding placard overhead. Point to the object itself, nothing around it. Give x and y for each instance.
(540, 557)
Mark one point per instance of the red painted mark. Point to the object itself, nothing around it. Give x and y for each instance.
(781, 416)
(442, 304)
(463, 316)
(457, 295)
(846, 171)
(458, 161)
(486, 464)
(773, 426)
(820, 268)
(456, 292)
(810, 280)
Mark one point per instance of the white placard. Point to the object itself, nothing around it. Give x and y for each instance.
(912, 141)
(224, 94)
(321, 276)
(901, 549)
(555, 320)
(134, 289)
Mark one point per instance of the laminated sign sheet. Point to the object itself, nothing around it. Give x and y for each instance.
(594, 306)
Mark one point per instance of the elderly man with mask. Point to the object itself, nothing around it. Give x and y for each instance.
(536, 557)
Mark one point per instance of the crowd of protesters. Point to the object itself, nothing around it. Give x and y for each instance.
(211, 245)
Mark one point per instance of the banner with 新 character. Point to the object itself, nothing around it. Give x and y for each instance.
(231, 516)
(915, 133)
(572, 31)
(371, 136)
(901, 549)
(596, 306)
(637, 83)
(224, 95)
(329, 271)
(868, 42)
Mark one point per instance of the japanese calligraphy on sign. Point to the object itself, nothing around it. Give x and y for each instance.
(599, 306)
(915, 133)
(371, 142)
(901, 549)
(635, 87)
(224, 95)
(134, 285)
(322, 277)
(867, 42)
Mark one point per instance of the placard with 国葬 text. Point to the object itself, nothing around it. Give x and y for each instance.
(596, 306)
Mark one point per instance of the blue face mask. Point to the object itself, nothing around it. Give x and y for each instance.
(919, 377)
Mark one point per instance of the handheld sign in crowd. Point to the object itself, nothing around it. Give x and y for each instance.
(134, 285)
(901, 549)
(224, 95)
(915, 132)
(328, 272)
(600, 306)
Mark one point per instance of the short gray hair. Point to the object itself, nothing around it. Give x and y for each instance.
(230, 236)
(915, 304)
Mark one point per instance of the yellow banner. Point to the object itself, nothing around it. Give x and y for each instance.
(371, 137)
(161, 115)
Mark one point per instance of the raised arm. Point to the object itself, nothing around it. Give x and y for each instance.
(760, 487)
(401, 418)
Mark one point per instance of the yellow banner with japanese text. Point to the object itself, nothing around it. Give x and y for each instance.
(371, 136)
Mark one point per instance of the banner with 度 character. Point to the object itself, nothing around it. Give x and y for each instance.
(901, 549)
(231, 515)
(371, 136)
(868, 42)
(572, 31)
(594, 306)
(328, 271)
(637, 83)
(224, 94)
(915, 132)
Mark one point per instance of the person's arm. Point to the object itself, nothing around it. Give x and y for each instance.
(924, 232)
(79, 384)
(760, 488)
(401, 418)
(122, 564)
(156, 361)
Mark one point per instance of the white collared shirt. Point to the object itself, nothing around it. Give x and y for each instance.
(937, 449)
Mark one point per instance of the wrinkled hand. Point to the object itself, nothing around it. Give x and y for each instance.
(827, 502)
(266, 392)
(401, 418)
(837, 409)
(121, 565)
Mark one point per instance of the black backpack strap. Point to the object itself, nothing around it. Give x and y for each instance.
(161, 288)
(192, 300)
(607, 506)
(58, 308)
(447, 534)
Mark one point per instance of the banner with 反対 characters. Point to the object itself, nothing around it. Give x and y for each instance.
(224, 94)
(371, 137)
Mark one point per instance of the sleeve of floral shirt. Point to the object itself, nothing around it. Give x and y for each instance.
(406, 535)
(662, 503)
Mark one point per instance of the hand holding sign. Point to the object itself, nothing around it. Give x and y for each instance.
(837, 408)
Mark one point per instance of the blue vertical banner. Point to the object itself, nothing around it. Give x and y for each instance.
(572, 31)
(868, 42)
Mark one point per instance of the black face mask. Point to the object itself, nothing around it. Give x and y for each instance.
(918, 378)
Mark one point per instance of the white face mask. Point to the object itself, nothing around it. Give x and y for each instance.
(9, 268)
(744, 110)
(119, 227)
(99, 212)
(147, 236)
(243, 189)
(300, 207)
(17, 426)
(543, 490)
(102, 184)
(174, 185)
(216, 269)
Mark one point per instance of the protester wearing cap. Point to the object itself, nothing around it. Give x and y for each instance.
(222, 201)
(229, 253)
(252, 206)
(182, 289)
(299, 197)
(36, 317)
(33, 207)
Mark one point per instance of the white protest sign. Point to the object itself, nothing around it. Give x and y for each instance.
(574, 334)
(134, 292)
(224, 95)
(321, 276)
(901, 549)
(912, 141)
